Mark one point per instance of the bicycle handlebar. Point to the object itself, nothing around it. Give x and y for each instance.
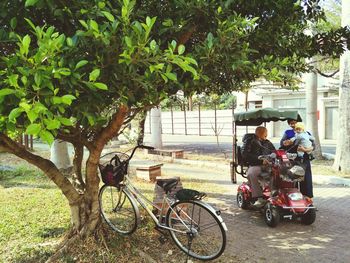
(139, 146)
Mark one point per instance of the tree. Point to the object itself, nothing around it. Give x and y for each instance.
(311, 110)
(342, 157)
(79, 71)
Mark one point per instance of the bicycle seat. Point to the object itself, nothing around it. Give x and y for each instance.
(167, 184)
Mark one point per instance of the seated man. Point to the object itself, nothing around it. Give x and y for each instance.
(259, 146)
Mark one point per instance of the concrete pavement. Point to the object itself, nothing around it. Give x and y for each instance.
(249, 239)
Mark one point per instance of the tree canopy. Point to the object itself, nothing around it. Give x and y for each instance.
(65, 62)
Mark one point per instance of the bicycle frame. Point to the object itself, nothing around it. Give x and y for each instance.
(143, 201)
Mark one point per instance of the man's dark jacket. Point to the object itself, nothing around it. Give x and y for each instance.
(257, 148)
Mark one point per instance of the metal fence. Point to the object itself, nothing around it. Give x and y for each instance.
(197, 122)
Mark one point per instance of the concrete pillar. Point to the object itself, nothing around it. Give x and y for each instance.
(59, 154)
(156, 128)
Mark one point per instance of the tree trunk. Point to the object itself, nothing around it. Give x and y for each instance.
(141, 130)
(84, 204)
(342, 157)
(190, 103)
(311, 111)
(77, 166)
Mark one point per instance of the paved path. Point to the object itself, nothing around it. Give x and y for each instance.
(251, 240)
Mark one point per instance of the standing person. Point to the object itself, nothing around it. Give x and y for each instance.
(258, 146)
(306, 187)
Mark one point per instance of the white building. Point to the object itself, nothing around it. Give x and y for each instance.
(265, 94)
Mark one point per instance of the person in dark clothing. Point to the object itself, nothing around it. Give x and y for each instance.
(306, 187)
(259, 146)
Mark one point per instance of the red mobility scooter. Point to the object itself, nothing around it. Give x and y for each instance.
(280, 181)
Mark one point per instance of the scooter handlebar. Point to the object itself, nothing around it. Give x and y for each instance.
(267, 156)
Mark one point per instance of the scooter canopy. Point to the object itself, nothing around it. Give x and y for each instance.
(258, 116)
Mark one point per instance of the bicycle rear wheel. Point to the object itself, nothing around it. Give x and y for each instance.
(196, 229)
(118, 209)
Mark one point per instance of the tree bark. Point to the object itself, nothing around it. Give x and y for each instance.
(311, 111)
(342, 157)
(141, 130)
(77, 165)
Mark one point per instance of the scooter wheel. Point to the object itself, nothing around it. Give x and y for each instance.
(271, 215)
(241, 201)
(309, 217)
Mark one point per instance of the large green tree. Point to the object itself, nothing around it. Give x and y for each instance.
(79, 70)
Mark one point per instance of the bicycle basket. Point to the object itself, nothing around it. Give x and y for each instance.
(189, 194)
(113, 172)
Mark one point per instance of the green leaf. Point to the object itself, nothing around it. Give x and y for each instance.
(67, 99)
(39, 107)
(52, 124)
(65, 121)
(94, 74)
(32, 115)
(37, 79)
(164, 77)
(101, 5)
(173, 44)
(15, 113)
(153, 44)
(128, 41)
(94, 25)
(30, 3)
(181, 49)
(24, 80)
(168, 23)
(148, 21)
(84, 24)
(69, 42)
(33, 129)
(25, 106)
(13, 22)
(101, 86)
(56, 100)
(5, 92)
(210, 38)
(108, 15)
(171, 76)
(64, 71)
(13, 80)
(46, 136)
(81, 63)
(25, 45)
(30, 23)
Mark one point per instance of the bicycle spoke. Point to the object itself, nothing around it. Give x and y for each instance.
(204, 238)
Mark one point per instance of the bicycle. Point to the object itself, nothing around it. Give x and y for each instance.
(195, 226)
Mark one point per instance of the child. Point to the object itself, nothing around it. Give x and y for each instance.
(302, 138)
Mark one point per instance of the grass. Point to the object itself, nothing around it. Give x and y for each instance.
(324, 167)
(35, 217)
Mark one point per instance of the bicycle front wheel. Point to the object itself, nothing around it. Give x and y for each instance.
(118, 209)
(196, 229)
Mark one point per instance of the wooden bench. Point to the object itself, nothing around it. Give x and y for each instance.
(177, 154)
(149, 172)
